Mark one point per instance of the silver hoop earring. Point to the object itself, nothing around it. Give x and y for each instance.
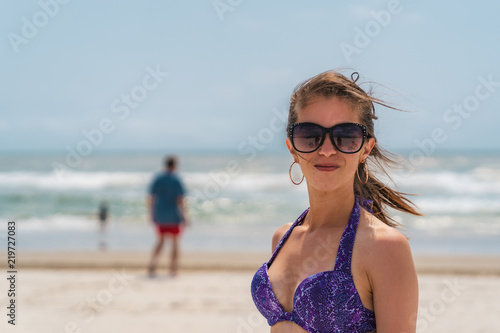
(290, 174)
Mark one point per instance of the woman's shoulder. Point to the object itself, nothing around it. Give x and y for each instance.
(377, 233)
(382, 244)
(279, 233)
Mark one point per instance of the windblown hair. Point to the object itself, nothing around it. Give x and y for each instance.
(334, 84)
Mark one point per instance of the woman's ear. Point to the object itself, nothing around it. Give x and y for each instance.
(367, 148)
(291, 149)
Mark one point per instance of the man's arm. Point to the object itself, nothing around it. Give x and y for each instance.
(150, 200)
(181, 203)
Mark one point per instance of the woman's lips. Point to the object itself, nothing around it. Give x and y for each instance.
(326, 167)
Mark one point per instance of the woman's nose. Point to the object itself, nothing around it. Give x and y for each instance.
(327, 148)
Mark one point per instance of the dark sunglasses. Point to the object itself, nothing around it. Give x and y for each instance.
(347, 138)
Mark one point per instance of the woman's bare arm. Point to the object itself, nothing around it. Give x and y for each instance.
(394, 283)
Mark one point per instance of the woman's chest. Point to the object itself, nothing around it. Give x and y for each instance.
(298, 260)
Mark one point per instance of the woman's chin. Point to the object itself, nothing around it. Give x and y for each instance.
(326, 183)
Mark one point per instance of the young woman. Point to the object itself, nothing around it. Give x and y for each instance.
(342, 266)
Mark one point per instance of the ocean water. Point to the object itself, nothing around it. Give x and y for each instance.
(236, 202)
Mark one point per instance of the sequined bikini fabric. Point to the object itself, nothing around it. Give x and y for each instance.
(323, 302)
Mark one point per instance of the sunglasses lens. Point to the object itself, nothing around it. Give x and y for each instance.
(307, 137)
(348, 138)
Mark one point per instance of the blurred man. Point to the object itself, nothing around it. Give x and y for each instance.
(166, 208)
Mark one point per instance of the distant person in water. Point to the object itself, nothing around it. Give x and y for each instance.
(103, 216)
(166, 208)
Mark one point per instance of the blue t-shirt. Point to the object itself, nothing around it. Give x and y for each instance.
(166, 189)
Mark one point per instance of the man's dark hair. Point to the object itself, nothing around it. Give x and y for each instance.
(170, 162)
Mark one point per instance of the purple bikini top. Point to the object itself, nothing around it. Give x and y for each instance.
(323, 302)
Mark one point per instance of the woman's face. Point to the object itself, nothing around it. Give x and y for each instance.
(327, 169)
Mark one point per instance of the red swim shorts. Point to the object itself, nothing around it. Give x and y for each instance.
(172, 229)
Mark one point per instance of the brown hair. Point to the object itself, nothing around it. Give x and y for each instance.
(334, 84)
(170, 162)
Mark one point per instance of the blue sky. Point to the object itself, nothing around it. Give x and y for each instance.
(230, 73)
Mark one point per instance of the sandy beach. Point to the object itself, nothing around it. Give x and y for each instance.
(110, 292)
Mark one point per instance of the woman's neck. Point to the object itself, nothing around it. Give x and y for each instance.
(331, 209)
